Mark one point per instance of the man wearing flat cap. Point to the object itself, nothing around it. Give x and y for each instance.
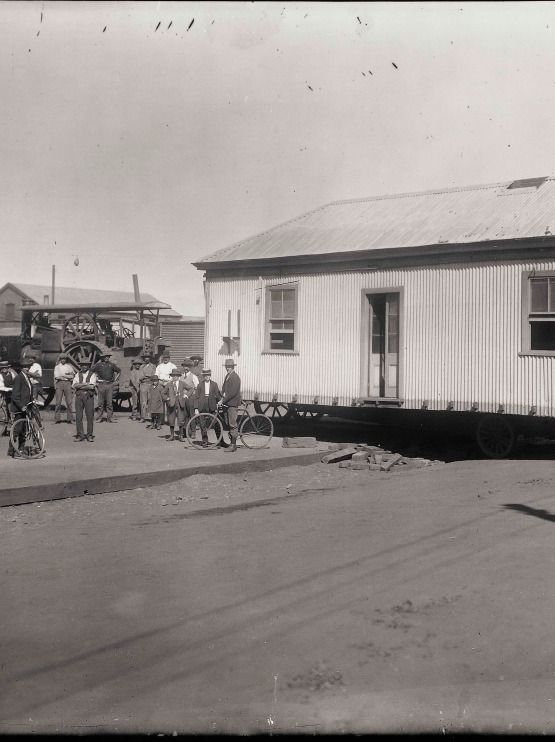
(231, 398)
(84, 385)
(63, 376)
(107, 373)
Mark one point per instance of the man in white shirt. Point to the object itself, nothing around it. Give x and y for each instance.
(165, 368)
(35, 374)
(63, 376)
(84, 385)
(163, 372)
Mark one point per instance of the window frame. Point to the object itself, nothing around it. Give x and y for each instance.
(10, 311)
(526, 313)
(288, 286)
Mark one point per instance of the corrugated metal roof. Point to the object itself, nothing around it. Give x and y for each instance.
(71, 296)
(455, 215)
(65, 295)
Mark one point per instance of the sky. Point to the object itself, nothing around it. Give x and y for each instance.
(139, 137)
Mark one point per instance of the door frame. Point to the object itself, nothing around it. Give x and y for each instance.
(365, 338)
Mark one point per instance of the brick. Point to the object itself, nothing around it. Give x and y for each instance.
(391, 462)
(360, 465)
(343, 455)
(307, 442)
(360, 456)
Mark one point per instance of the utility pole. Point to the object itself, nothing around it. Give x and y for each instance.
(53, 297)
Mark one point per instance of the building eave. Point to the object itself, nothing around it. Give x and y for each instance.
(512, 249)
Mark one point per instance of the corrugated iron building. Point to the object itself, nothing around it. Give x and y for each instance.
(185, 337)
(437, 300)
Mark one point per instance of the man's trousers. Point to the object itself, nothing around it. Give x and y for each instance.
(105, 391)
(63, 391)
(84, 402)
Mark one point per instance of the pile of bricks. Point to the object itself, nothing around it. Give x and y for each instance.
(371, 458)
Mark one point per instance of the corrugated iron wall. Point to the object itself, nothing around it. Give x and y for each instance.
(186, 338)
(460, 338)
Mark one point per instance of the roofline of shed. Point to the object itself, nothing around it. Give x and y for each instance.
(526, 247)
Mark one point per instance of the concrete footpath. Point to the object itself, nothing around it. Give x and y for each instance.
(125, 455)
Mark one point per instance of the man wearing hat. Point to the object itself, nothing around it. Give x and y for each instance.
(146, 371)
(84, 385)
(196, 366)
(22, 395)
(170, 397)
(155, 402)
(163, 372)
(6, 383)
(231, 398)
(206, 398)
(135, 386)
(106, 372)
(63, 376)
(186, 386)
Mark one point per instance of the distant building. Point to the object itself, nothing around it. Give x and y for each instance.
(15, 295)
(185, 337)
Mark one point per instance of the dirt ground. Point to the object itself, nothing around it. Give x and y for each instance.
(305, 599)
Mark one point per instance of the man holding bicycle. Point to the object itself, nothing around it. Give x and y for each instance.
(231, 398)
(22, 395)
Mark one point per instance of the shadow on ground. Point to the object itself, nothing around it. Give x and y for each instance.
(409, 442)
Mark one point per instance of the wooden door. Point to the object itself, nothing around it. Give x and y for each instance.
(383, 362)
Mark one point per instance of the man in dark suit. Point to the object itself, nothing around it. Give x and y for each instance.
(231, 398)
(206, 398)
(22, 395)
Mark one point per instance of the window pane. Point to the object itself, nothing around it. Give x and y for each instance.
(288, 303)
(542, 335)
(552, 294)
(282, 341)
(539, 291)
(276, 308)
(282, 324)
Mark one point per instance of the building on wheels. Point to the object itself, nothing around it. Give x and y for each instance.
(433, 308)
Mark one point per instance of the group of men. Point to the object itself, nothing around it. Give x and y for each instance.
(158, 393)
(178, 395)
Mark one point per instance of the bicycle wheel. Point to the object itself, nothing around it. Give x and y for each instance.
(27, 439)
(202, 428)
(256, 431)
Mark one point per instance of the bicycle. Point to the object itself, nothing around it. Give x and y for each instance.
(255, 430)
(26, 434)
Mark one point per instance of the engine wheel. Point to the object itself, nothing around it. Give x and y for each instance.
(79, 327)
(495, 436)
(85, 351)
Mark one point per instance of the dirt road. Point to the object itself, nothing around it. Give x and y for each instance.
(309, 599)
